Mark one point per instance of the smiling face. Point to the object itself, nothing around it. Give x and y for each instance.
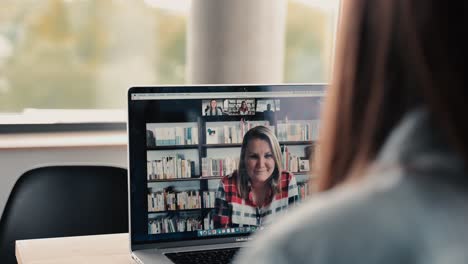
(259, 160)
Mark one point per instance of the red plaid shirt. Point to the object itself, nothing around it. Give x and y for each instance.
(233, 211)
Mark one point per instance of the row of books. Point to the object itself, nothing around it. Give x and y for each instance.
(219, 167)
(179, 224)
(298, 130)
(172, 201)
(233, 133)
(171, 167)
(169, 136)
(173, 224)
(293, 163)
(209, 199)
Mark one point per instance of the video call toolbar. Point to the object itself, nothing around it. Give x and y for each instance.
(228, 231)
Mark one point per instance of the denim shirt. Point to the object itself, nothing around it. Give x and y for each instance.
(412, 207)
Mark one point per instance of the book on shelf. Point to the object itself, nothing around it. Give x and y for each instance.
(315, 128)
(230, 135)
(156, 202)
(297, 130)
(173, 136)
(213, 134)
(170, 200)
(290, 161)
(209, 199)
(219, 167)
(304, 164)
(170, 167)
(191, 135)
(208, 222)
(293, 163)
(188, 200)
(303, 189)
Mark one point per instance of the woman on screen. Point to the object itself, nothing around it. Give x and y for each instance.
(259, 189)
(213, 109)
(243, 109)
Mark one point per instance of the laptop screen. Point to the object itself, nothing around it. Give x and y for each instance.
(218, 161)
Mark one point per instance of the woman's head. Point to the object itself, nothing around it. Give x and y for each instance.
(213, 103)
(243, 105)
(260, 159)
(392, 56)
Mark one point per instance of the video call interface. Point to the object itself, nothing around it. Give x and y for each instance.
(195, 173)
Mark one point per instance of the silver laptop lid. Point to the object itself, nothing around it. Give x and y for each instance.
(184, 157)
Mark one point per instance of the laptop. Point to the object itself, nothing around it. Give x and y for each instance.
(185, 141)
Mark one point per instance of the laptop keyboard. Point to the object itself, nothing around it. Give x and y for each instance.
(224, 255)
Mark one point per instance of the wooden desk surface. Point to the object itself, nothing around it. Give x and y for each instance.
(112, 248)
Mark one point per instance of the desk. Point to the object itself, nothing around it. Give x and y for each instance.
(112, 248)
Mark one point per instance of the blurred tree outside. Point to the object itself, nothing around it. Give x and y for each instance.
(46, 69)
(309, 44)
(61, 57)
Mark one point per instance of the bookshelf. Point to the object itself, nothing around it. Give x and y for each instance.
(186, 160)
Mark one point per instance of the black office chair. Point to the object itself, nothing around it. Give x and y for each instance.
(61, 201)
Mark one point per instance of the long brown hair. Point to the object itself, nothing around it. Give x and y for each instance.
(392, 56)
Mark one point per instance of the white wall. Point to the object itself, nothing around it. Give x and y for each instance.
(15, 161)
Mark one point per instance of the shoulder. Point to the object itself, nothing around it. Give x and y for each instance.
(230, 179)
(351, 219)
(287, 176)
(233, 175)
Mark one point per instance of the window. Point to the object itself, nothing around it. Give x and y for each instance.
(310, 35)
(84, 54)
